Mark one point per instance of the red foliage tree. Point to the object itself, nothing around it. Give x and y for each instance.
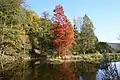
(62, 30)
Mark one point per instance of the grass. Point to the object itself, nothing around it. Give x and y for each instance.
(91, 58)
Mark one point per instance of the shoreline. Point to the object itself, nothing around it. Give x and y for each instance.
(90, 58)
(7, 59)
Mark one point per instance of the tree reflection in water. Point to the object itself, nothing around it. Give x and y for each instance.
(109, 71)
(65, 72)
(48, 71)
(86, 71)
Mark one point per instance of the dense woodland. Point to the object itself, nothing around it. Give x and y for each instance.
(23, 31)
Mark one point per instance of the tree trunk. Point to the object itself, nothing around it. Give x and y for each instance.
(2, 56)
(84, 52)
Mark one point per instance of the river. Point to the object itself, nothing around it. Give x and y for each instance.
(44, 70)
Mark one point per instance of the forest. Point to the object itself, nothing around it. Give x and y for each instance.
(24, 33)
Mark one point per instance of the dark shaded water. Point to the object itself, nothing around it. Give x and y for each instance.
(65, 71)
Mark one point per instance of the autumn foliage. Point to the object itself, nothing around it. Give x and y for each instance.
(62, 31)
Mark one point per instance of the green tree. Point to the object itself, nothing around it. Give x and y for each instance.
(45, 39)
(87, 39)
(33, 29)
(12, 19)
(103, 47)
(39, 31)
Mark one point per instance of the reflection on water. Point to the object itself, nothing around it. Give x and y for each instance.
(109, 71)
(47, 71)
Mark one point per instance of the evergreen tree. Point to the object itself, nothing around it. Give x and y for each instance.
(87, 39)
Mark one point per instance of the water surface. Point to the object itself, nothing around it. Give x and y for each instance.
(42, 70)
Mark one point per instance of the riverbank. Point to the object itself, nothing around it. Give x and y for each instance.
(90, 58)
(10, 59)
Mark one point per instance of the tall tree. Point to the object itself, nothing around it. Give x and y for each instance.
(63, 31)
(12, 19)
(87, 39)
(39, 31)
(46, 43)
(75, 47)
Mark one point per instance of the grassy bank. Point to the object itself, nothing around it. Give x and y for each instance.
(91, 58)
(113, 56)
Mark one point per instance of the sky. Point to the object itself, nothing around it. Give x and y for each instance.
(105, 14)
